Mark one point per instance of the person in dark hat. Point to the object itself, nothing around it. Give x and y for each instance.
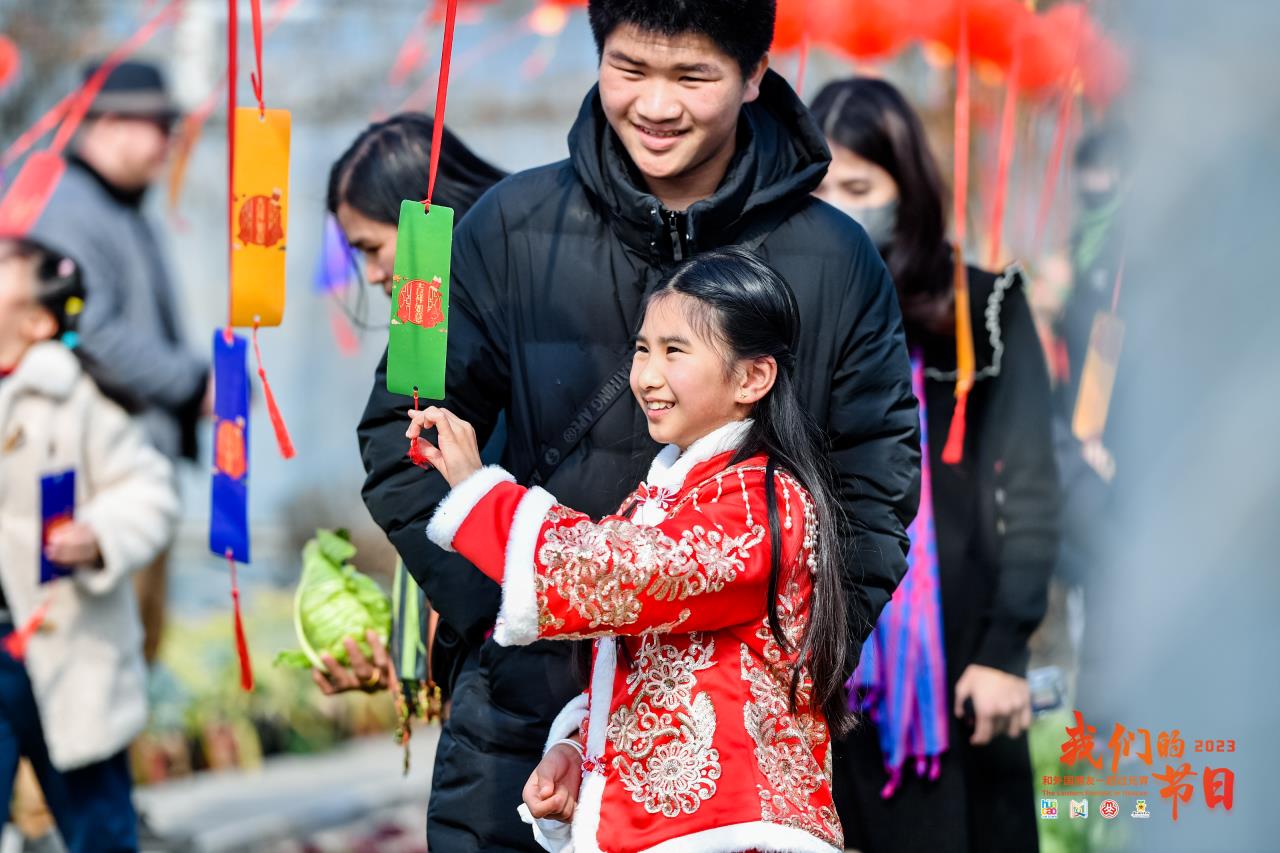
(131, 324)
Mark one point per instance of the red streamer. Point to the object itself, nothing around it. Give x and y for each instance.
(15, 644)
(953, 451)
(273, 410)
(233, 25)
(79, 107)
(1004, 157)
(242, 644)
(442, 92)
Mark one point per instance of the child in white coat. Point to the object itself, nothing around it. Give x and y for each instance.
(72, 679)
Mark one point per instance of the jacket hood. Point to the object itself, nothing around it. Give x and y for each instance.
(781, 155)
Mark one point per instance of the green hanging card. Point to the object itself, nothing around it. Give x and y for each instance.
(419, 335)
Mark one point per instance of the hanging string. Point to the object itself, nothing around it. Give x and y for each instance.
(803, 63)
(233, 70)
(255, 78)
(1115, 290)
(193, 123)
(442, 92)
(1059, 143)
(416, 454)
(273, 410)
(242, 644)
(953, 450)
(36, 132)
(1004, 157)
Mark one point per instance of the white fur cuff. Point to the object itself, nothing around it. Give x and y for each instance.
(457, 505)
(518, 617)
(568, 721)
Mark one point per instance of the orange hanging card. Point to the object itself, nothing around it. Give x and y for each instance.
(259, 216)
(1098, 376)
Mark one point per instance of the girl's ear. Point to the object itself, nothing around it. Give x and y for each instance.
(756, 380)
(39, 325)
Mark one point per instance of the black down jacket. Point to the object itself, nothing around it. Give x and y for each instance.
(549, 270)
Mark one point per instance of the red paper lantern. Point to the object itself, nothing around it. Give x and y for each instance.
(10, 61)
(863, 28)
(789, 25)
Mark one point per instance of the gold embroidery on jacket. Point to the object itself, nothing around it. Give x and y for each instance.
(786, 742)
(604, 570)
(663, 738)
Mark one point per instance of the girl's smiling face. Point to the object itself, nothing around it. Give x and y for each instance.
(684, 381)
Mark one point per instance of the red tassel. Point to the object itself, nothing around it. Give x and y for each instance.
(416, 455)
(15, 644)
(277, 419)
(953, 451)
(242, 645)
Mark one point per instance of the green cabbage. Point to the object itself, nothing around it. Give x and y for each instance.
(334, 601)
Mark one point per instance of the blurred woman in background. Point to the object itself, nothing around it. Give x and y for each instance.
(941, 762)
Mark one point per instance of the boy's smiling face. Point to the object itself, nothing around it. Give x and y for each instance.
(674, 101)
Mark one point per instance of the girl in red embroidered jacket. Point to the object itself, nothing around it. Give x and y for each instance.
(714, 594)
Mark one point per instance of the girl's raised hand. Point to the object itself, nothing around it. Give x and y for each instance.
(456, 453)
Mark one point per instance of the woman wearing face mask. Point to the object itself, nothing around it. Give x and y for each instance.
(942, 761)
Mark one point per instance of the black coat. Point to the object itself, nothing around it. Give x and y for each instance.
(996, 517)
(549, 271)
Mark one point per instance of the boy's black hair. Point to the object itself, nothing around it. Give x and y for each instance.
(741, 28)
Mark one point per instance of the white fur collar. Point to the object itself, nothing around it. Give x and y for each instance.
(49, 368)
(670, 467)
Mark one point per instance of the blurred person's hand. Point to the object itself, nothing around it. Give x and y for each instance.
(456, 453)
(74, 544)
(206, 403)
(364, 674)
(1099, 459)
(1001, 702)
(552, 789)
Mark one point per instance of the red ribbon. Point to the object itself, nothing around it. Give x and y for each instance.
(242, 644)
(233, 26)
(80, 106)
(76, 104)
(416, 454)
(255, 78)
(442, 92)
(1005, 155)
(953, 450)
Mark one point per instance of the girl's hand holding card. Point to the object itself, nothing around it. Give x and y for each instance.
(456, 453)
(73, 544)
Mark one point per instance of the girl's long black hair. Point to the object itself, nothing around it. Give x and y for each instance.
(60, 291)
(872, 119)
(749, 311)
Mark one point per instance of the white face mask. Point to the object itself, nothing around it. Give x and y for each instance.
(879, 222)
